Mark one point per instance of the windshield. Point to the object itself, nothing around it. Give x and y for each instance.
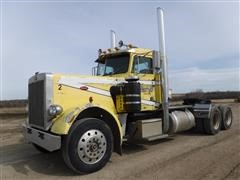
(114, 65)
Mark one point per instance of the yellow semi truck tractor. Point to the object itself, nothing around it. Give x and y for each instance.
(126, 99)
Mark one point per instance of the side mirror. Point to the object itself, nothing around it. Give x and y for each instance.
(156, 61)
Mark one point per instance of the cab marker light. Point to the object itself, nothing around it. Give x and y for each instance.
(90, 99)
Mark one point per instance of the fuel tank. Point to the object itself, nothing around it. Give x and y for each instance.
(181, 121)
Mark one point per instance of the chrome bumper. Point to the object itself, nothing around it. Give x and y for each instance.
(46, 140)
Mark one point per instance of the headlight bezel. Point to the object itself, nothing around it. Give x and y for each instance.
(54, 110)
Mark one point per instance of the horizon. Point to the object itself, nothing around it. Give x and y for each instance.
(23, 99)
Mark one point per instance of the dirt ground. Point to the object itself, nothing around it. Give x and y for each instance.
(186, 155)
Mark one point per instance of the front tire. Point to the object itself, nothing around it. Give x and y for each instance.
(88, 146)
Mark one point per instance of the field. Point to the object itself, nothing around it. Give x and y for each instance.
(186, 155)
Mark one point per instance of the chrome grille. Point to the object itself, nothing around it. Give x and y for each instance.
(36, 99)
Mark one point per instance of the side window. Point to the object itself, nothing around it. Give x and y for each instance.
(142, 65)
(109, 70)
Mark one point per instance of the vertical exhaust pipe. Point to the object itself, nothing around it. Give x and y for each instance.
(164, 69)
(113, 39)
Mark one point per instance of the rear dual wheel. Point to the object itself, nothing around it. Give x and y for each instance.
(213, 125)
(220, 118)
(227, 117)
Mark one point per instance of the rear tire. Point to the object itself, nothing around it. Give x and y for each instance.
(227, 117)
(213, 125)
(88, 146)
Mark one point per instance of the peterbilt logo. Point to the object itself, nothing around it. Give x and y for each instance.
(59, 87)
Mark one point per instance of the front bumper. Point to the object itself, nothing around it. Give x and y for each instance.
(46, 140)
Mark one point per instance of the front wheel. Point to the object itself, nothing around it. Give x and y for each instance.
(88, 146)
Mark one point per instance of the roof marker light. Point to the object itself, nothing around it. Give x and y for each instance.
(130, 46)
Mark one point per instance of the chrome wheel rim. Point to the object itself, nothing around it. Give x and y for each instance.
(92, 146)
(228, 118)
(216, 122)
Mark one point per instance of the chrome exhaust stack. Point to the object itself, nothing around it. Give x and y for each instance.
(113, 39)
(164, 69)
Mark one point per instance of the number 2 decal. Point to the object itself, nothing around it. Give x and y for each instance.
(59, 87)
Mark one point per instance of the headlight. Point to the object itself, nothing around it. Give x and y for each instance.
(54, 110)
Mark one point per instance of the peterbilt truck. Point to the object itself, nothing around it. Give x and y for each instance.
(125, 100)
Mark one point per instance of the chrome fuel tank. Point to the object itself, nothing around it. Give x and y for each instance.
(181, 121)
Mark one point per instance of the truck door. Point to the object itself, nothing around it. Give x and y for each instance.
(143, 67)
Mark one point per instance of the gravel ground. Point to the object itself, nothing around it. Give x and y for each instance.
(186, 155)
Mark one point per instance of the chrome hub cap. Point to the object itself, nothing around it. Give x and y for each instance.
(216, 122)
(92, 146)
(228, 118)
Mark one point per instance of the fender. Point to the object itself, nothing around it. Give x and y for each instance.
(62, 124)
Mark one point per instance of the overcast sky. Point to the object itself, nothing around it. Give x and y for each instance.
(202, 40)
